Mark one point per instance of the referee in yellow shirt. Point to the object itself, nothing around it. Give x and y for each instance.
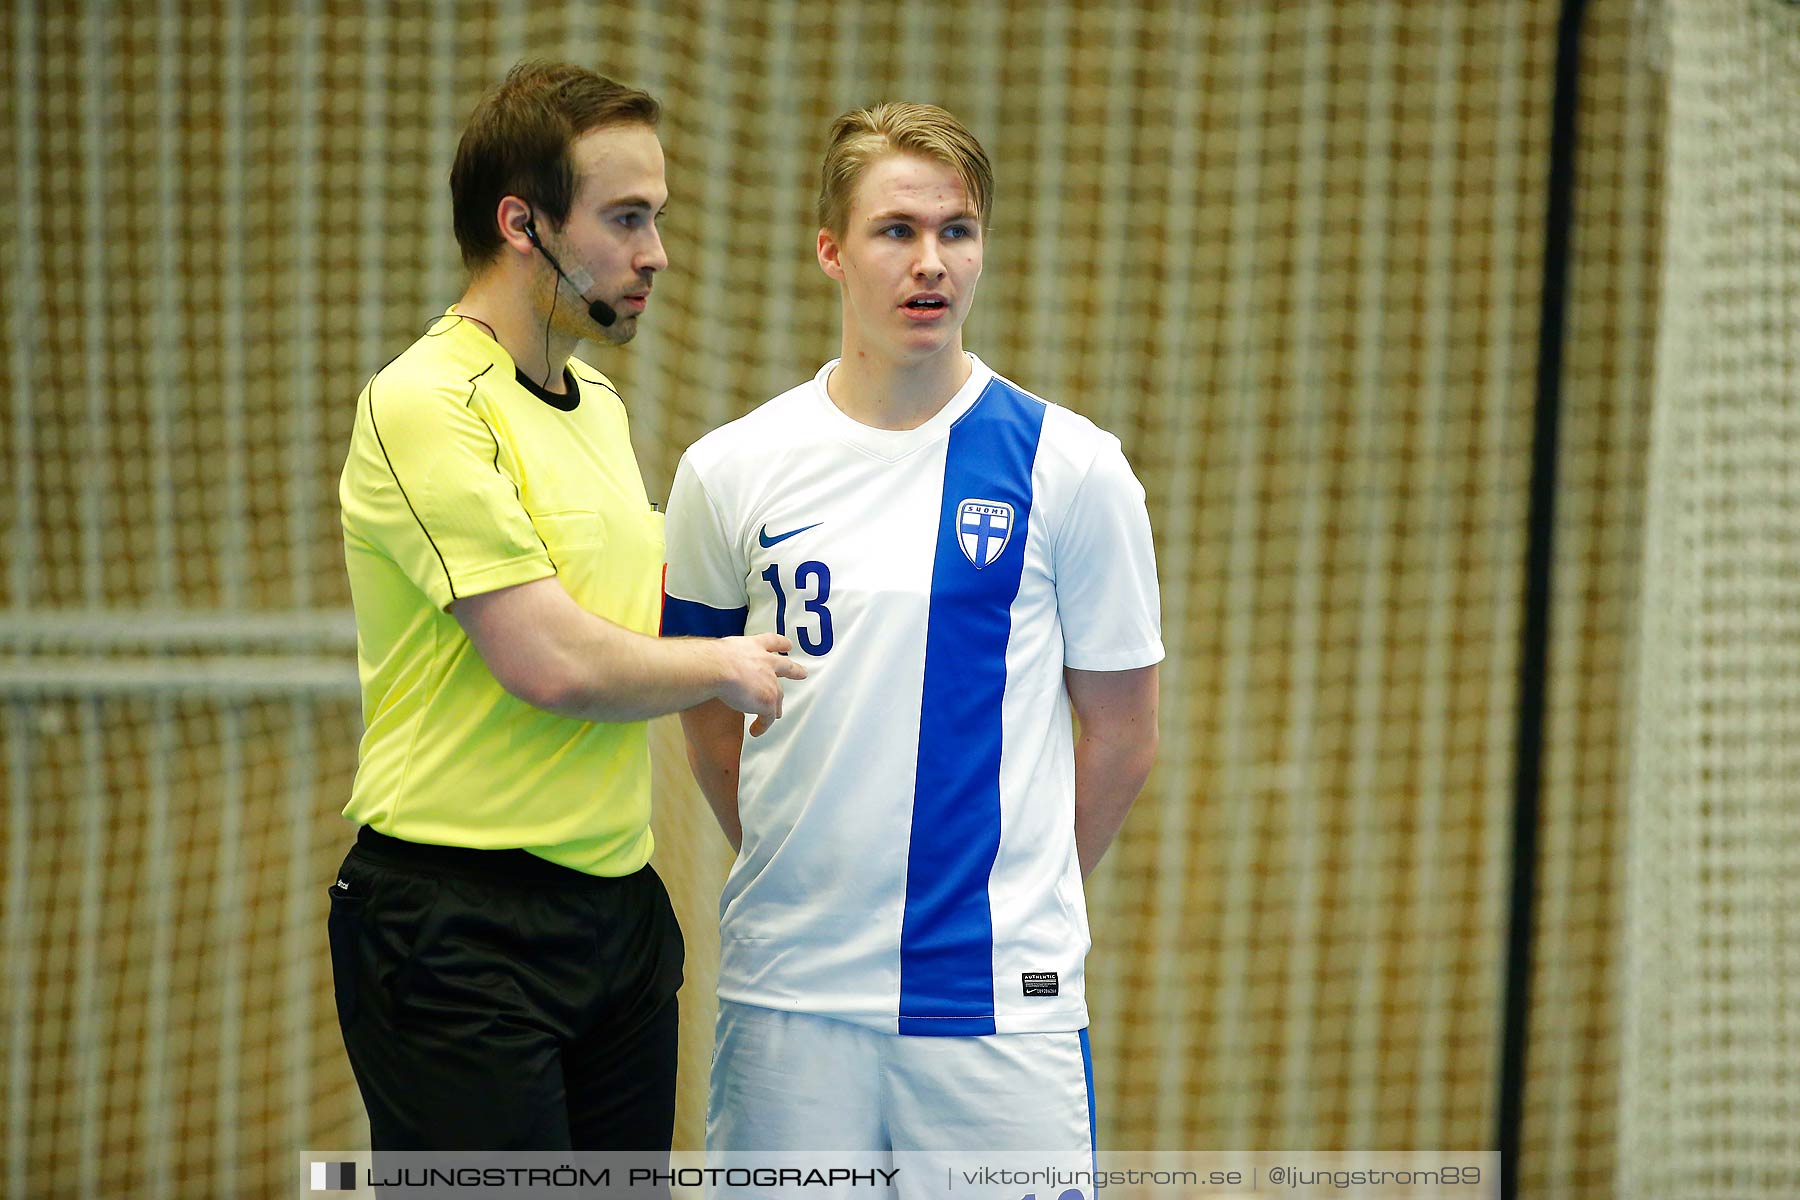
(505, 960)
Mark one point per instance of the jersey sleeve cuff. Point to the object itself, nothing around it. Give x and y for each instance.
(492, 578)
(1146, 655)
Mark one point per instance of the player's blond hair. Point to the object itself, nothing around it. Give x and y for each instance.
(863, 136)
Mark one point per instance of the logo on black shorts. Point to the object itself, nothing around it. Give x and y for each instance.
(1040, 983)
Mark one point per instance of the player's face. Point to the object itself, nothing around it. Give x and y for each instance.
(611, 231)
(909, 258)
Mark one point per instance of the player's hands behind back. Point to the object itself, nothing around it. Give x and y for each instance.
(753, 668)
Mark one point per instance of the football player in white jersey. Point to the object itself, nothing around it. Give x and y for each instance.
(959, 565)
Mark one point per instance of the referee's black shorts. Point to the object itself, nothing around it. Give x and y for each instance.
(492, 1000)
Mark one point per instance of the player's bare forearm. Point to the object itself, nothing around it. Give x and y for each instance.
(1115, 747)
(715, 739)
(548, 651)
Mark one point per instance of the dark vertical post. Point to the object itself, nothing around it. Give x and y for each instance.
(1534, 642)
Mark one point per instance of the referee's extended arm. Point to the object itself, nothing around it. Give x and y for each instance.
(548, 651)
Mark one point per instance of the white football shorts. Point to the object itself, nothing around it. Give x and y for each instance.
(785, 1081)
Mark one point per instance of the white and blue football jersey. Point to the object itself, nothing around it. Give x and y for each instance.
(909, 860)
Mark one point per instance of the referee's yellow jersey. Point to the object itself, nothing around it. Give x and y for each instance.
(463, 479)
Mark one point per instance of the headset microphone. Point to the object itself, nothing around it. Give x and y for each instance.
(601, 312)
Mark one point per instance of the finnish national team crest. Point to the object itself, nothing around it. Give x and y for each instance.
(983, 527)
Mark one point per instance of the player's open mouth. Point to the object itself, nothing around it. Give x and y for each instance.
(636, 304)
(926, 307)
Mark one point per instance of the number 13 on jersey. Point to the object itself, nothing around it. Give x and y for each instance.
(813, 636)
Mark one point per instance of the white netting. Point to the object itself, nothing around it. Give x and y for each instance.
(1711, 1084)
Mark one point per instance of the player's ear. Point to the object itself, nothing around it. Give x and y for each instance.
(828, 255)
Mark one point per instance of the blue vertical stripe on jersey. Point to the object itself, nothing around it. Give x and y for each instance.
(947, 932)
(684, 618)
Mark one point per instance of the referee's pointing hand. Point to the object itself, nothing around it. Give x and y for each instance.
(754, 667)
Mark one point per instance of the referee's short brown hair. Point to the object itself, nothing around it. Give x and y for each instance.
(517, 144)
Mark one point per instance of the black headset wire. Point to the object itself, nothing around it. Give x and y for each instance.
(556, 282)
(457, 316)
(555, 287)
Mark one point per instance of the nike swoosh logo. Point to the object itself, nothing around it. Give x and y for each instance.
(762, 534)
